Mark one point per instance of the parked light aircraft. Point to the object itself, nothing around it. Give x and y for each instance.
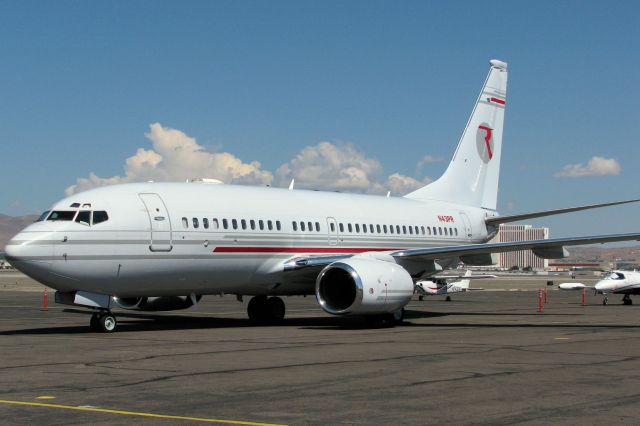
(161, 246)
(440, 285)
(615, 282)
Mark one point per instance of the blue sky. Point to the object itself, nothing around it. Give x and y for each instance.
(81, 82)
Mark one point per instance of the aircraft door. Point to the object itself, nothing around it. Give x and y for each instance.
(332, 229)
(467, 225)
(160, 238)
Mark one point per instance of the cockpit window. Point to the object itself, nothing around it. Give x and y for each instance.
(43, 216)
(616, 276)
(84, 217)
(100, 216)
(62, 215)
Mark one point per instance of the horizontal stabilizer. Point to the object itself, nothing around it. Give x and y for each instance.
(516, 217)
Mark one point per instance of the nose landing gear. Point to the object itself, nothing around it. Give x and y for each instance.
(103, 321)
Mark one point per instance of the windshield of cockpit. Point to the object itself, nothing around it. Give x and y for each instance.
(615, 276)
(82, 215)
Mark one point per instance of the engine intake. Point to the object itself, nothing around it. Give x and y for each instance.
(361, 286)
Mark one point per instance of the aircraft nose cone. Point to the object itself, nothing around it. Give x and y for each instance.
(26, 257)
(601, 286)
(11, 252)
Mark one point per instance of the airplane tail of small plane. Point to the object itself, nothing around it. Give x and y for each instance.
(473, 173)
(463, 284)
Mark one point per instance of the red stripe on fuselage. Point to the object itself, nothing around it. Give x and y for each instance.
(298, 249)
(498, 101)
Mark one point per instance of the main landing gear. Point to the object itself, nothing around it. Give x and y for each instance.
(627, 300)
(385, 320)
(103, 321)
(266, 309)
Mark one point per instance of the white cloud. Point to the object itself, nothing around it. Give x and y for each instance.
(328, 166)
(428, 159)
(176, 156)
(597, 166)
(401, 185)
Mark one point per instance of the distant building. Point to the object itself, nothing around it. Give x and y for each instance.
(522, 258)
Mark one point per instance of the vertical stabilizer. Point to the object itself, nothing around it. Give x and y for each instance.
(473, 173)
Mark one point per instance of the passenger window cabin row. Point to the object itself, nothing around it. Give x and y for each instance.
(244, 224)
(301, 226)
(395, 229)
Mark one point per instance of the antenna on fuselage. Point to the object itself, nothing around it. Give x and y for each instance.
(388, 194)
(291, 184)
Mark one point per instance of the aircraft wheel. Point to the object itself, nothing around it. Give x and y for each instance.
(93, 324)
(256, 308)
(380, 321)
(605, 301)
(398, 316)
(627, 300)
(104, 322)
(421, 298)
(448, 299)
(275, 309)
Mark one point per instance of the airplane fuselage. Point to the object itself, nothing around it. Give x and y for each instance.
(182, 238)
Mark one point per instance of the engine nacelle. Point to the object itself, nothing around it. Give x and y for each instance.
(362, 286)
(557, 252)
(163, 303)
(480, 259)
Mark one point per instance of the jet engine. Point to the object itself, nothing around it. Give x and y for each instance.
(363, 286)
(163, 303)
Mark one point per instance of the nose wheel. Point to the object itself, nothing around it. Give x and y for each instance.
(103, 321)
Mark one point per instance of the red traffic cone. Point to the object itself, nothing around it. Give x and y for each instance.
(45, 301)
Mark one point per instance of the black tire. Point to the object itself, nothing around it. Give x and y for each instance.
(107, 323)
(275, 309)
(93, 323)
(380, 321)
(398, 316)
(256, 308)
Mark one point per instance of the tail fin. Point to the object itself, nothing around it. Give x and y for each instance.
(473, 173)
(464, 283)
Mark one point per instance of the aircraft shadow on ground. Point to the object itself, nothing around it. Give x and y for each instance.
(140, 322)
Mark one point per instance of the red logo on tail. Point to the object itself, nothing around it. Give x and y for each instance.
(487, 139)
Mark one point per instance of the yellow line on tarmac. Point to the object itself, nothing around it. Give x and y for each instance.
(134, 413)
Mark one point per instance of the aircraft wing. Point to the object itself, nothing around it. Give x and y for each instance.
(462, 277)
(517, 217)
(548, 247)
(551, 248)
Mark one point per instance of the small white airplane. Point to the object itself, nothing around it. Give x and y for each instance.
(161, 246)
(615, 282)
(440, 285)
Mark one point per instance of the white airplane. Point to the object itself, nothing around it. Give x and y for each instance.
(615, 282)
(152, 246)
(440, 285)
